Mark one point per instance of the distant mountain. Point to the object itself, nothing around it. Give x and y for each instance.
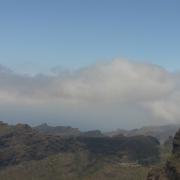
(66, 131)
(93, 133)
(162, 133)
(58, 130)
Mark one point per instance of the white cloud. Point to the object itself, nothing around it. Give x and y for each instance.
(119, 84)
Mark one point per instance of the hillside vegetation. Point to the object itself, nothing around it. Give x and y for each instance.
(27, 154)
(73, 166)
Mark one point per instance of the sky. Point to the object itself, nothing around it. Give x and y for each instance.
(90, 64)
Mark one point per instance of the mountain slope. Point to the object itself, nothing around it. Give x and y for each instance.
(27, 154)
(73, 166)
(21, 143)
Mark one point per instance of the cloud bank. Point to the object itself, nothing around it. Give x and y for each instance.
(117, 93)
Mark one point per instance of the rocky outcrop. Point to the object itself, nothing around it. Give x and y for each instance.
(176, 144)
(171, 171)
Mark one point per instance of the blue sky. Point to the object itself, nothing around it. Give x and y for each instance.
(38, 35)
